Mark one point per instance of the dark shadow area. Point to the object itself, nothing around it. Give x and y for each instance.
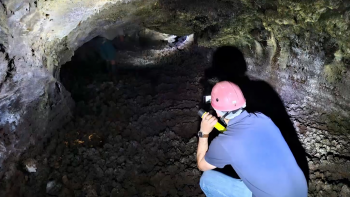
(228, 64)
(163, 89)
(101, 60)
(132, 136)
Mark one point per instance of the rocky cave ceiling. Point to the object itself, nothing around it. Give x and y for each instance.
(300, 47)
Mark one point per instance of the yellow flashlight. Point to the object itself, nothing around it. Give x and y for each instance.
(218, 126)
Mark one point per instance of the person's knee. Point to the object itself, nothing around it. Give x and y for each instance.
(214, 183)
(206, 178)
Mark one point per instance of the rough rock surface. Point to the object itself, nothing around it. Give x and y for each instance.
(131, 138)
(300, 47)
(135, 137)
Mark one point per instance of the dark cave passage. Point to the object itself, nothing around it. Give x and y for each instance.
(133, 133)
(168, 92)
(137, 52)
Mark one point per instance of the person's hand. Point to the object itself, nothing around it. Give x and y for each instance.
(208, 122)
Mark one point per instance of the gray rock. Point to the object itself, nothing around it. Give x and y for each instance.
(333, 194)
(99, 172)
(326, 142)
(66, 193)
(53, 188)
(345, 191)
(318, 138)
(327, 187)
(109, 172)
(121, 159)
(114, 193)
(330, 158)
(107, 146)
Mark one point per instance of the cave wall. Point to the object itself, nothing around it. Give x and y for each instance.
(301, 48)
(36, 38)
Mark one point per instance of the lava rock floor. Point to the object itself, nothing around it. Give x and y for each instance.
(136, 136)
(132, 137)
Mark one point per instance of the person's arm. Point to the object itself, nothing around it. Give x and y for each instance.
(202, 149)
(207, 126)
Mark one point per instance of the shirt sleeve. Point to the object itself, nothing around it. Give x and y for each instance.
(217, 155)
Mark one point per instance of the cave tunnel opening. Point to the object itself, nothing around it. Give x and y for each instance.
(134, 128)
(141, 75)
(101, 60)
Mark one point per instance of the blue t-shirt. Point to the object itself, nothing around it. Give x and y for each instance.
(256, 149)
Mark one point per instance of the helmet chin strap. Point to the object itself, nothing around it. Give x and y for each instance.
(222, 118)
(230, 114)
